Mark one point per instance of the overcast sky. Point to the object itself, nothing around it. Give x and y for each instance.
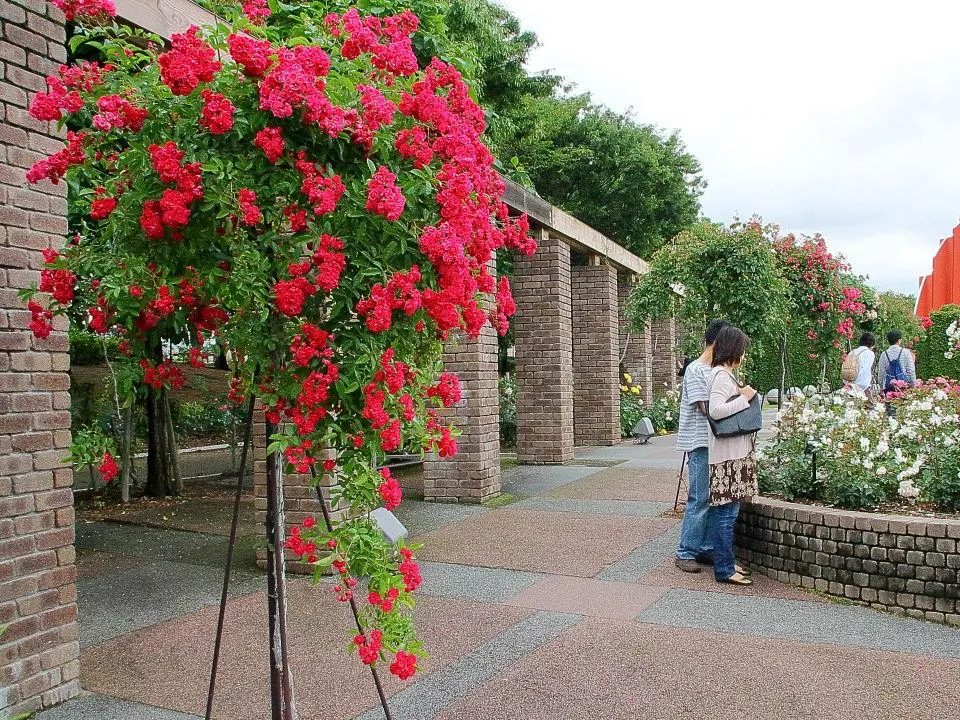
(840, 117)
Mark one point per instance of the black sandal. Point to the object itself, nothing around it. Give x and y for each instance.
(736, 579)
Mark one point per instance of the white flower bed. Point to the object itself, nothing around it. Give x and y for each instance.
(865, 458)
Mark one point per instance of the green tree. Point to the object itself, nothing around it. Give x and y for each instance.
(633, 182)
(713, 271)
(895, 312)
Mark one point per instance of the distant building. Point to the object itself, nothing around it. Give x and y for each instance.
(942, 286)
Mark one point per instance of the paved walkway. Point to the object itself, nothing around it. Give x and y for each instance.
(563, 605)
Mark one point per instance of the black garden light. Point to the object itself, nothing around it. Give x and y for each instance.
(811, 449)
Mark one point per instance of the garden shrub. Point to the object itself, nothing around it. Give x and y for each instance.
(664, 413)
(933, 346)
(864, 457)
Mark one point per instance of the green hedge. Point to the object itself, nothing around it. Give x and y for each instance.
(933, 344)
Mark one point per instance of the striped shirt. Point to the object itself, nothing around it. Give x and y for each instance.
(694, 429)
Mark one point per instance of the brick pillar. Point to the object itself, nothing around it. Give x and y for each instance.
(596, 354)
(635, 347)
(39, 653)
(300, 497)
(473, 475)
(543, 339)
(663, 337)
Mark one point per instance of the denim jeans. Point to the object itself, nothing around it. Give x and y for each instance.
(695, 536)
(722, 519)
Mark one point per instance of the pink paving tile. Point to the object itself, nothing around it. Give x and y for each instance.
(548, 542)
(585, 596)
(668, 576)
(622, 484)
(627, 671)
(168, 664)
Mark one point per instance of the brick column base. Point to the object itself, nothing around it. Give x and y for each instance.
(473, 475)
(596, 350)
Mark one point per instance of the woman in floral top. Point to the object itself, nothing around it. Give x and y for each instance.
(733, 468)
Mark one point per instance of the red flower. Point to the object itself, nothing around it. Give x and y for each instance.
(389, 490)
(59, 283)
(55, 167)
(118, 112)
(926, 322)
(270, 140)
(217, 113)
(102, 207)
(108, 468)
(404, 665)
(251, 214)
(52, 104)
(383, 196)
(255, 56)
(189, 62)
(73, 9)
(166, 160)
(40, 320)
(291, 294)
(412, 144)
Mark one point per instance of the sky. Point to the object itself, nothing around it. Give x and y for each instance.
(835, 117)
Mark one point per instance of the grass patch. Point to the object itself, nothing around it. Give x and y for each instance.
(501, 500)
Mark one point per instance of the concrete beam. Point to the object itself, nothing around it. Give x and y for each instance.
(163, 17)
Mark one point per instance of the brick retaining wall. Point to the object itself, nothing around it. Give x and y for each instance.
(902, 564)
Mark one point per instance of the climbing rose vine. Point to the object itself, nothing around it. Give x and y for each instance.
(306, 196)
(827, 307)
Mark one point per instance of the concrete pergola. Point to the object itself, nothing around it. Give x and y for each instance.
(569, 334)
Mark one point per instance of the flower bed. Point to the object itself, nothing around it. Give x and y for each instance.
(864, 458)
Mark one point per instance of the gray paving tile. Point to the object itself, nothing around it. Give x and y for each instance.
(120, 603)
(420, 517)
(145, 542)
(101, 707)
(822, 623)
(645, 558)
(494, 585)
(424, 699)
(529, 480)
(630, 508)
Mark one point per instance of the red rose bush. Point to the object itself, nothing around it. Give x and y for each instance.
(311, 199)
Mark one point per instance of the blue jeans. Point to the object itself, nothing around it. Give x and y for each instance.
(722, 519)
(695, 532)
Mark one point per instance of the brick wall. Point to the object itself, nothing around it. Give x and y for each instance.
(473, 475)
(39, 663)
(903, 564)
(663, 350)
(596, 355)
(543, 340)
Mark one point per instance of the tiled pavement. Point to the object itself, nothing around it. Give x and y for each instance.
(562, 605)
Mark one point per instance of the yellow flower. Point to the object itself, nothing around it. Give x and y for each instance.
(627, 377)
(635, 391)
(624, 388)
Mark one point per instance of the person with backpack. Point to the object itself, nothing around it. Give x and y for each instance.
(858, 365)
(896, 364)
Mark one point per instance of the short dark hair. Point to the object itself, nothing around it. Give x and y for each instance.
(731, 345)
(713, 329)
(894, 336)
(868, 340)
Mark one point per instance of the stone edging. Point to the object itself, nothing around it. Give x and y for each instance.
(902, 564)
